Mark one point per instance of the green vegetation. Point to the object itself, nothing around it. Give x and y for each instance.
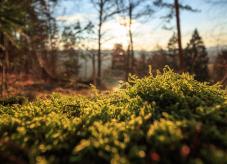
(169, 118)
(13, 100)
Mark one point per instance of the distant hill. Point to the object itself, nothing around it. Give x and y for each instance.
(212, 52)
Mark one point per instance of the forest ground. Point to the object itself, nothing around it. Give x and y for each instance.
(31, 87)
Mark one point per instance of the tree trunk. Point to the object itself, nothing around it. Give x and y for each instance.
(94, 70)
(5, 65)
(99, 55)
(131, 44)
(3, 79)
(127, 68)
(181, 55)
(131, 50)
(2, 62)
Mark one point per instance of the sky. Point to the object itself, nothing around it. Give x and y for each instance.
(148, 33)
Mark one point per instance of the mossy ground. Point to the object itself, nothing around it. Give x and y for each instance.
(169, 118)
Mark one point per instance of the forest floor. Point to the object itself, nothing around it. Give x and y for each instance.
(26, 85)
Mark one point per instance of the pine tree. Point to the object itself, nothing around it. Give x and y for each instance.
(175, 8)
(220, 67)
(196, 58)
(172, 45)
(172, 53)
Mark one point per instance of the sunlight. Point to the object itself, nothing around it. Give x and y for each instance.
(117, 34)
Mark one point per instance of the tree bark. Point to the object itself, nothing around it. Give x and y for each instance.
(3, 78)
(99, 55)
(181, 55)
(94, 70)
(5, 65)
(127, 68)
(2, 62)
(131, 43)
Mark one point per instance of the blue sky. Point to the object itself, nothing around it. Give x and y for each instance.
(148, 35)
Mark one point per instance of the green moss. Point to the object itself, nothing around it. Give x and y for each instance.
(13, 100)
(169, 118)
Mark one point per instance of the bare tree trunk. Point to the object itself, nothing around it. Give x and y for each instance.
(131, 44)
(181, 55)
(99, 58)
(3, 78)
(99, 55)
(2, 62)
(94, 69)
(127, 68)
(131, 49)
(5, 65)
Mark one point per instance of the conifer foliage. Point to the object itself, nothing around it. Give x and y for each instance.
(220, 67)
(172, 45)
(196, 58)
(173, 51)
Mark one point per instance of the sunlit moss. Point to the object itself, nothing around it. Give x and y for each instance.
(164, 118)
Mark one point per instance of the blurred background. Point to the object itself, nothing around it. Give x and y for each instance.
(65, 45)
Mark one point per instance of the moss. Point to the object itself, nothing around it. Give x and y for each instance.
(169, 118)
